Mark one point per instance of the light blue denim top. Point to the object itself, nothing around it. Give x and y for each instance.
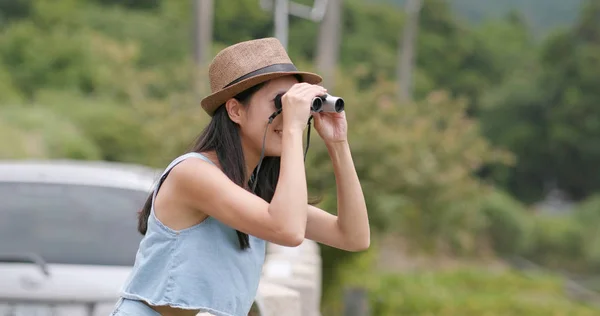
(200, 268)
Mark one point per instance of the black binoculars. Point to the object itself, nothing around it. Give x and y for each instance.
(324, 103)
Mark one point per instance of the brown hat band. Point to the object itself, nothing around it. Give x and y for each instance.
(265, 70)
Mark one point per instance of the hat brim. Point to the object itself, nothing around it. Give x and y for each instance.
(212, 102)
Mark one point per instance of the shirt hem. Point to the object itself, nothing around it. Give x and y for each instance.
(162, 303)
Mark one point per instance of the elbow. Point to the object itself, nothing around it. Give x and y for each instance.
(289, 237)
(292, 239)
(365, 246)
(294, 242)
(362, 246)
(359, 244)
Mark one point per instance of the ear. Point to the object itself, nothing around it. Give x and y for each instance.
(235, 110)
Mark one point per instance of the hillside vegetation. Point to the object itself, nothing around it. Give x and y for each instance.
(541, 16)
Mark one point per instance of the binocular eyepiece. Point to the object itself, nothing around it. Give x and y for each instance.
(324, 103)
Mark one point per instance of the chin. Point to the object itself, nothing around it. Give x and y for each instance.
(273, 148)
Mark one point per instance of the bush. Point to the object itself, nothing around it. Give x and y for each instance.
(121, 133)
(416, 162)
(8, 92)
(465, 291)
(587, 215)
(37, 132)
(471, 292)
(558, 243)
(509, 226)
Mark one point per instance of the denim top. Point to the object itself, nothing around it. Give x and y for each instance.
(200, 268)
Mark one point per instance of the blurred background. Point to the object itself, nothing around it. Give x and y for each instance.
(474, 125)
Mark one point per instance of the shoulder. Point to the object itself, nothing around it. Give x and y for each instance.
(198, 178)
(198, 168)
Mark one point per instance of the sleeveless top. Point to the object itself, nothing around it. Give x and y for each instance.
(199, 268)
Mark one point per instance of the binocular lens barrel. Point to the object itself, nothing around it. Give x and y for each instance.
(326, 103)
(317, 104)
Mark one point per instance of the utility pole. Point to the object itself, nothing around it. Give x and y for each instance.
(406, 51)
(329, 41)
(282, 21)
(283, 8)
(203, 34)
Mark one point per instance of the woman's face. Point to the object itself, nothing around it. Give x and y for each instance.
(254, 117)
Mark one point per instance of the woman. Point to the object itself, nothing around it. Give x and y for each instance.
(205, 230)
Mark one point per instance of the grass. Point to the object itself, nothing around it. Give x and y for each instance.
(471, 292)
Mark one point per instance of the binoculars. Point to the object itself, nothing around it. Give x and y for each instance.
(324, 103)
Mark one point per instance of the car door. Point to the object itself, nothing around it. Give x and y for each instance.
(65, 249)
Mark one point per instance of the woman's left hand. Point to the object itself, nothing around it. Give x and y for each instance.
(331, 126)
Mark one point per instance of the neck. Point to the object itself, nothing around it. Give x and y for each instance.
(251, 157)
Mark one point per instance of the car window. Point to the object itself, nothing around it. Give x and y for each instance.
(71, 224)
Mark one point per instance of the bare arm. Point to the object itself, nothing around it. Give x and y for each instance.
(349, 230)
(204, 187)
(207, 189)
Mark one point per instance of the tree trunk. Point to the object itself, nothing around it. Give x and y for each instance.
(203, 32)
(329, 42)
(407, 50)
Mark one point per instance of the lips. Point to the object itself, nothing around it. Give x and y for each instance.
(278, 131)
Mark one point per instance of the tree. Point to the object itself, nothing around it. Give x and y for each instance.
(548, 115)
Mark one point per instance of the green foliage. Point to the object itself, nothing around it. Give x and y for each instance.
(418, 175)
(133, 4)
(142, 30)
(508, 46)
(8, 92)
(557, 243)
(547, 115)
(507, 121)
(105, 124)
(36, 132)
(509, 226)
(569, 242)
(241, 22)
(588, 215)
(11, 10)
(542, 16)
(416, 162)
(366, 44)
(96, 82)
(63, 65)
(574, 120)
(471, 292)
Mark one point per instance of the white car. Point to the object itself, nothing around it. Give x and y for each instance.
(68, 234)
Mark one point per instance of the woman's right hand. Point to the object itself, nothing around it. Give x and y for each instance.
(296, 104)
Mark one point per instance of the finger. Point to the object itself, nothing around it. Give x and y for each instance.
(303, 87)
(305, 91)
(317, 91)
(319, 88)
(299, 88)
(317, 117)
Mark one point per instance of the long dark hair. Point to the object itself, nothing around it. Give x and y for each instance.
(222, 136)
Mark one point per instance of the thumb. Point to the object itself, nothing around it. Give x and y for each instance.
(317, 118)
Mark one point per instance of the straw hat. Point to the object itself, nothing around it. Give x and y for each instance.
(246, 64)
